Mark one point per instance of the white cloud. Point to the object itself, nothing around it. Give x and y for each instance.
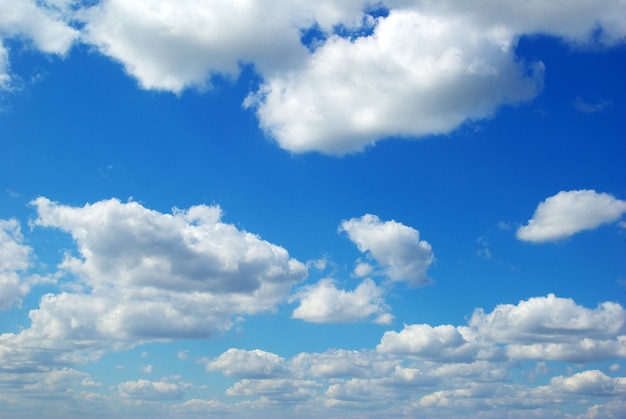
(281, 389)
(363, 269)
(570, 212)
(240, 363)
(549, 319)
(337, 363)
(38, 22)
(147, 369)
(591, 382)
(151, 390)
(172, 45)
(15, 259)
(418, 74)
(393, 245)
(444, 343)
(35, 20)
(149, 276)
(324, 303)
(425, 68)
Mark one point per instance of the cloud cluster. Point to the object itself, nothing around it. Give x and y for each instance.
(451, 370)
(395, 246)
(569, 212)
(405, 68)
(324, 303)
(15, 259)
(397, 252)
(140, 275)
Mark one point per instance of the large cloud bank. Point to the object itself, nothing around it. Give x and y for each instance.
(404, 68)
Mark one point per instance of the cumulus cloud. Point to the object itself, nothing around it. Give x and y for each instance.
(15, 259)
(418, 74)
(150, 276)
(325, 303)
(549, 319)
(337, 363)
(151, 390)
(171, 45)
(445, 343)
(418, 68)
(240, 363)
(41, 23)
(393, 245)
(570, 212)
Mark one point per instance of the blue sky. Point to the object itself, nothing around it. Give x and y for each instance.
(312, 209)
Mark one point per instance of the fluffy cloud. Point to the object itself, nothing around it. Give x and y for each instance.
(324, 303)
(444, 343)
(14, 261)
(171, 45)
(422, 68)
(337, 363)
(283, 389)
(556, 329)
(393, 245)
(426, 68)
(569, 212)
(248, 364)
(148, 276)
(151, 390)
(549, 319)
(41, 22)
(417, 74)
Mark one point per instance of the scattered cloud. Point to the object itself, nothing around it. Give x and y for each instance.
(151, 390)
(591, 104)
(476, 364)
(147, 276)
(240, 363)
(569, 212)
(396, 247)
(15, 260)
(325, 303)
(418, 69)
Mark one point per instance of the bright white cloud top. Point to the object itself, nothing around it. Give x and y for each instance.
(273, 258)
(396, 247)
(569, 212)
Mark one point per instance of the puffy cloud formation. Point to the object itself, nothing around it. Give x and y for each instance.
(570, 212)
(43, 23)
(417, 74)
(14, 261)
(142, 275)
(409, 68)
(324, 303)
(476, 364)
(393, 245)
(151, 390)
(248, 364)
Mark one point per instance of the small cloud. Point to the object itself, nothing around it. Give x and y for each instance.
(319, 264)
(325, 303)
(119, 367)
(144, 354)
(363, 269)
(183, 355)
(12, 193)
(569, 212)
(147, 369)
(614, 367)
(483, 251)
(591, 104)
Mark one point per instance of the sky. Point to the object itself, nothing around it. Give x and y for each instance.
(401, 209)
